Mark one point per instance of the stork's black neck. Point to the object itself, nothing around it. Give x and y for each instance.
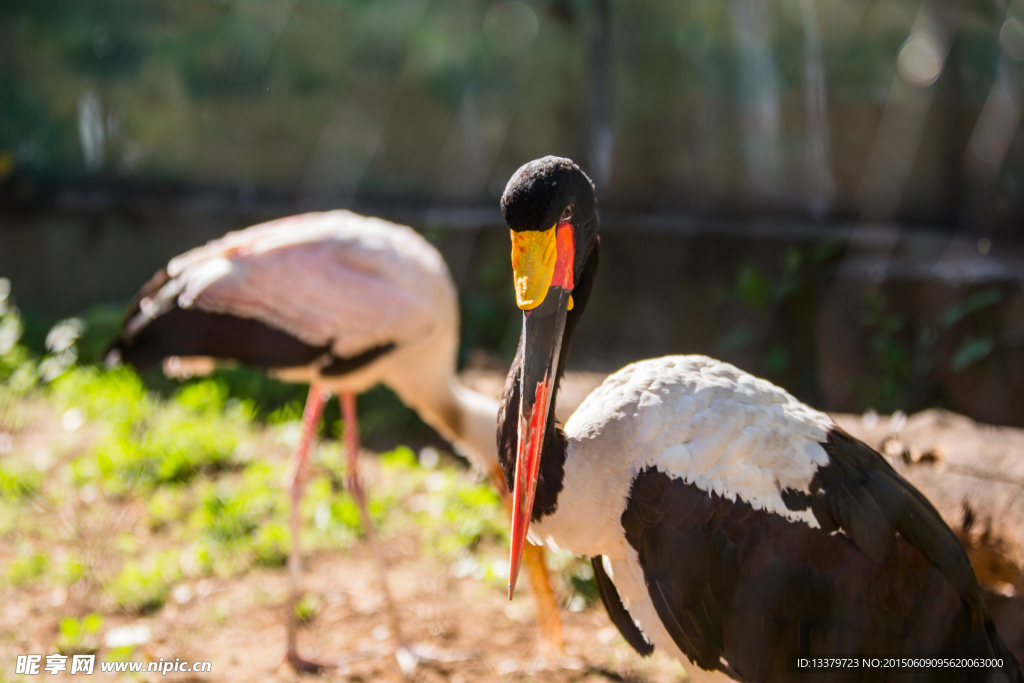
(552, 456)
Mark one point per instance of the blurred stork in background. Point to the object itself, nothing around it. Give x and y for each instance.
(343, 302)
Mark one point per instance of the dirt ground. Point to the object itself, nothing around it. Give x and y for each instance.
(238, 626)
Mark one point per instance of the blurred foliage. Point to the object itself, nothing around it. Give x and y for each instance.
(770, 301)
(308, 608)
(79, 636)
(896, 360)
(903, 358)
(26, 567)
(905, 344)
(142, 587)
(18, 483)
(148, 443)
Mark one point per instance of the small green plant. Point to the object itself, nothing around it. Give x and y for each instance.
(308, 608)
(897, 361)
(752, 287)
(768, 299)
(270, 545)
(167, 506)
(399, 459)
(143, 587)
(79, 637)
(71, 569)
(148, 443)
(902, 359)
(27, 568)
(582, 585)
(974, 348)
(335, 517)
(119, 654)
(227, 514)
(17, 484)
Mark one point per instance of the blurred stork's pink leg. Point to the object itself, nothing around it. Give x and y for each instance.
(295, 480)
(355, 487)
(408, 656)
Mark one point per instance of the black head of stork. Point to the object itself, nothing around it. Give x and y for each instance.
(551, 208)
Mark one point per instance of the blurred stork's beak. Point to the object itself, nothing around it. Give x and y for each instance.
(542, 265)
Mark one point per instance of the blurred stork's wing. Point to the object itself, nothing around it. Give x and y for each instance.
(332, 282)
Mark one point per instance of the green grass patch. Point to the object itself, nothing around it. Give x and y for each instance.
(27, 568)
(146, 443)
(79, 636)
(18, 484)
(270, 545)
(143, 587)
(230, 514)
(308, 608)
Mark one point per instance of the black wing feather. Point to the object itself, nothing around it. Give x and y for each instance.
(148, 337)
(893, 506)
(189, 332)
(617, 611)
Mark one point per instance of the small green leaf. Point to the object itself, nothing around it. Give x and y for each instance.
(752, 286)
(735, 339)
(69, 628)
(972, 303)
(970, 352)
(402, 457)
(308, 607)
(92, 622)
(775, 361)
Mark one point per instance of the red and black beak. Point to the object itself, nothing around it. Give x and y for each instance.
(542, 264)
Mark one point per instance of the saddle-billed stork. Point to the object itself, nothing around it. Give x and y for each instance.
(728, 524)
(343, 302)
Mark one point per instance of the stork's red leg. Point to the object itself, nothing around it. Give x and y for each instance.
(548, 617)
(295, 480)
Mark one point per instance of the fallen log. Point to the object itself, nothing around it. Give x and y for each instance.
(974, 476)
